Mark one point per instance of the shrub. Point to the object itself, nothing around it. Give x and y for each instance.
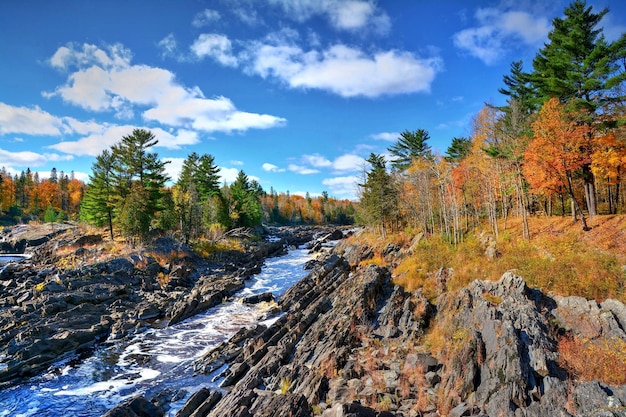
(608, 364)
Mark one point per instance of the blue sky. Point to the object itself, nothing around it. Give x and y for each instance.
(297, 93)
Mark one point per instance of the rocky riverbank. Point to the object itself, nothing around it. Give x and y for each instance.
(62, 302)
(350, 343)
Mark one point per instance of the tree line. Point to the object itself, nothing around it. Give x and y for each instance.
(128, 193)
(558, 146)
(26, 196)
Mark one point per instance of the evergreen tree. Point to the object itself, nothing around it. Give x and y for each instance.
(53, 176)
(458, 149)
(135, 215)
(520, 89)
(410, 146)
(51, 215)
(208, 179)
(133, 163)
(379, 197)
(97, 206)
(246, 209)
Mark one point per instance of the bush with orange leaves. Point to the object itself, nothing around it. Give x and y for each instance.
(608, 364)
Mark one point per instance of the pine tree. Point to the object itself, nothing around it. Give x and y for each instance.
(458, 149)
(379, 197)
(98, 202)
(245, 206)
(133, 162)
(410, 146)
(135, 214)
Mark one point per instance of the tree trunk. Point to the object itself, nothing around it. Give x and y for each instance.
(590, 190)
(575, 205)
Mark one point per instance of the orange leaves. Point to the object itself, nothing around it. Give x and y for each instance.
(559, 147)
(609, 157)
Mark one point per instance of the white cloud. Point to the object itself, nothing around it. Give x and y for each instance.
(174, 167)
(168, 45)
(388, 136)
(29, 159)
(215, 46)
(344, 70)
(248, 15)
(302, 170)
(30, 121)
(105, 81)
(271, 168)
(228, 175)
(316, 160)
(348, 162)
(498, 30)
(343, 186)
(236, 163)
(350, 15)
(95, 143)
(206, 17)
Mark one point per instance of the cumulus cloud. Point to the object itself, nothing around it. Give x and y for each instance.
(29, 159)
(348, 162)
(229, 175)
(343, 186)
(30, 121)
(206, 17)
(497, 30)
(174, 167)
(215, 46)
(316, 160)
(106, 81)
(349, 15)
(95, 143)
(345, 70)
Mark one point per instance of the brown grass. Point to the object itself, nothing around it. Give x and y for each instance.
(588, 360)
(560, 258)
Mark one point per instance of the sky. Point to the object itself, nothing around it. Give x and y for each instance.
(296, 93)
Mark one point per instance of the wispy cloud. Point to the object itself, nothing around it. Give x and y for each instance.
(29, 159)
(499, 30)
(215, 46)
(388, 136)
(343, 186)
(206, 17)
(267, 167)
(350, 15)
(302, 170)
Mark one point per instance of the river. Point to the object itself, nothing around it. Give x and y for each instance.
(158, 360)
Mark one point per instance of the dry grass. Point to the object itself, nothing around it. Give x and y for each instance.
(207, 248)
(559, 258)
(608, 364)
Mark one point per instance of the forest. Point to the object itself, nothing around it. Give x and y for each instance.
(558, 146)
(129, 195)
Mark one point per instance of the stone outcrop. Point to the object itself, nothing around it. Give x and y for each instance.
(350, 343)
(60, 305)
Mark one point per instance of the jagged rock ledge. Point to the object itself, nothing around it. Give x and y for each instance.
(51, 309)
(352, 344)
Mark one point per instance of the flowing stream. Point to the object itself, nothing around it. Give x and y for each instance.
(158, 360)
